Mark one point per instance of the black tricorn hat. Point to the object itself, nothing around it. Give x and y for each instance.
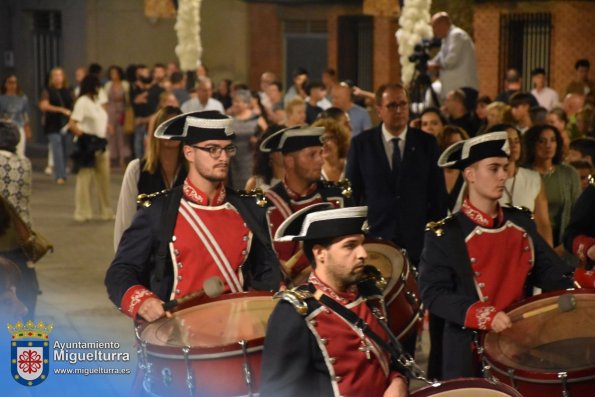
(322, 221)
(194, 127)
(464, 153)
(292, 139)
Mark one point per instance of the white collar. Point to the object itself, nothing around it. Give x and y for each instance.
(388, 137)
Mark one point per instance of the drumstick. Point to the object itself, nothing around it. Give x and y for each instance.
(290, 263)
(213, 287)
(566, 303)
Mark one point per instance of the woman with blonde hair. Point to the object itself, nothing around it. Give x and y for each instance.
(56, 102)
(334, 149)
(497, 113)
(162, 167)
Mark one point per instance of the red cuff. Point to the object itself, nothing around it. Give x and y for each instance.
(580, 246)
(133, 298)
(480, 316)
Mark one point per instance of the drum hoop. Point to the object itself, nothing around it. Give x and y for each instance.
(159, 350)
(394, 278)
(554, 374)
(207, 356)
(413, 322)
(569, 379)
(205, 299)
(468, 383)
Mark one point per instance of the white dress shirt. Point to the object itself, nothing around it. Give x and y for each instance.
(387, 138)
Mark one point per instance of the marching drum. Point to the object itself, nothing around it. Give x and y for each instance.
(210, 349)
(401, 296)
(467, 387)
(548, 354)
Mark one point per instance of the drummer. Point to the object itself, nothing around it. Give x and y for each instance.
(193, 232)
(483, 258)
(301, 147)
(311, 349)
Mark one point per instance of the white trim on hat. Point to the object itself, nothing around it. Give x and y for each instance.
(467, 144)
(214, 124)
(303, 131)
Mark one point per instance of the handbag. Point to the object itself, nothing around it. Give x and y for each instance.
(33, 244)
(128, 124)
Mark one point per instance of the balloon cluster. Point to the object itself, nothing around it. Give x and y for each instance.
(415, 26)
(189, 48)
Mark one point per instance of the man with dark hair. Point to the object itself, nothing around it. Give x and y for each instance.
(466, 277)
(582, 149)
(313, 346)
(182, 237)
(538, 115)
(393, 171)
(316, 92)
(585, 172)
(301, 147)
(581, 84)
(520, 106)
(547, 97)
(178, 86)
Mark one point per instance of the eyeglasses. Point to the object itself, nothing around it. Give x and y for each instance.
(327, 138)
(215, 151)
(397, 105)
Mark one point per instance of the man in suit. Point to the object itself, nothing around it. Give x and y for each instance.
(393, 170)
(403, 189)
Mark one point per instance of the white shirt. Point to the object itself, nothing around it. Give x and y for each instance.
(547, 97)
(127, 200)
(90, 116)
(387, 138)
(194, 105)
(458, 67)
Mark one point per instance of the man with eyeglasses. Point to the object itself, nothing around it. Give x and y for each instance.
(194, 232)
(302, 186)
(393, 170)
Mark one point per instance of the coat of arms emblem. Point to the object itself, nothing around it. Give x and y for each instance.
(29, 352)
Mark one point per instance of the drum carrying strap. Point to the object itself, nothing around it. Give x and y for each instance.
(395, 350)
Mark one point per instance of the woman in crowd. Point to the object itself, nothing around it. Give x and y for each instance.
(543, 153)
(118, 96)
(89, 123)
(246, 124)
(432, 121)
(453, 178)
(162, 167)
(14, 106)
(268, 166)
(334, 149)
(524, 187)
(56, 103)
(15, 189)
(558, 118)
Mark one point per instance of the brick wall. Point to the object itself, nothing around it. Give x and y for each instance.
(265, 42)
(572, 36)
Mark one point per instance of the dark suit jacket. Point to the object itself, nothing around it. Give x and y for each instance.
(398, 211)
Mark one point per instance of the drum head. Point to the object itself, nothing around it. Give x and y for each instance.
(387, 258)
(221, 322)
(467, 387)
(553, 341)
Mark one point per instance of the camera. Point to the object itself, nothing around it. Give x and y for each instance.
(420, 54)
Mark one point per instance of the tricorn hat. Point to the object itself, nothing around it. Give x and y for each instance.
(464, 153)
(292, 139)
(195, 127)
(320, 221)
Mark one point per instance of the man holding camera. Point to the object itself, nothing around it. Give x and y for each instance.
(456, 59)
